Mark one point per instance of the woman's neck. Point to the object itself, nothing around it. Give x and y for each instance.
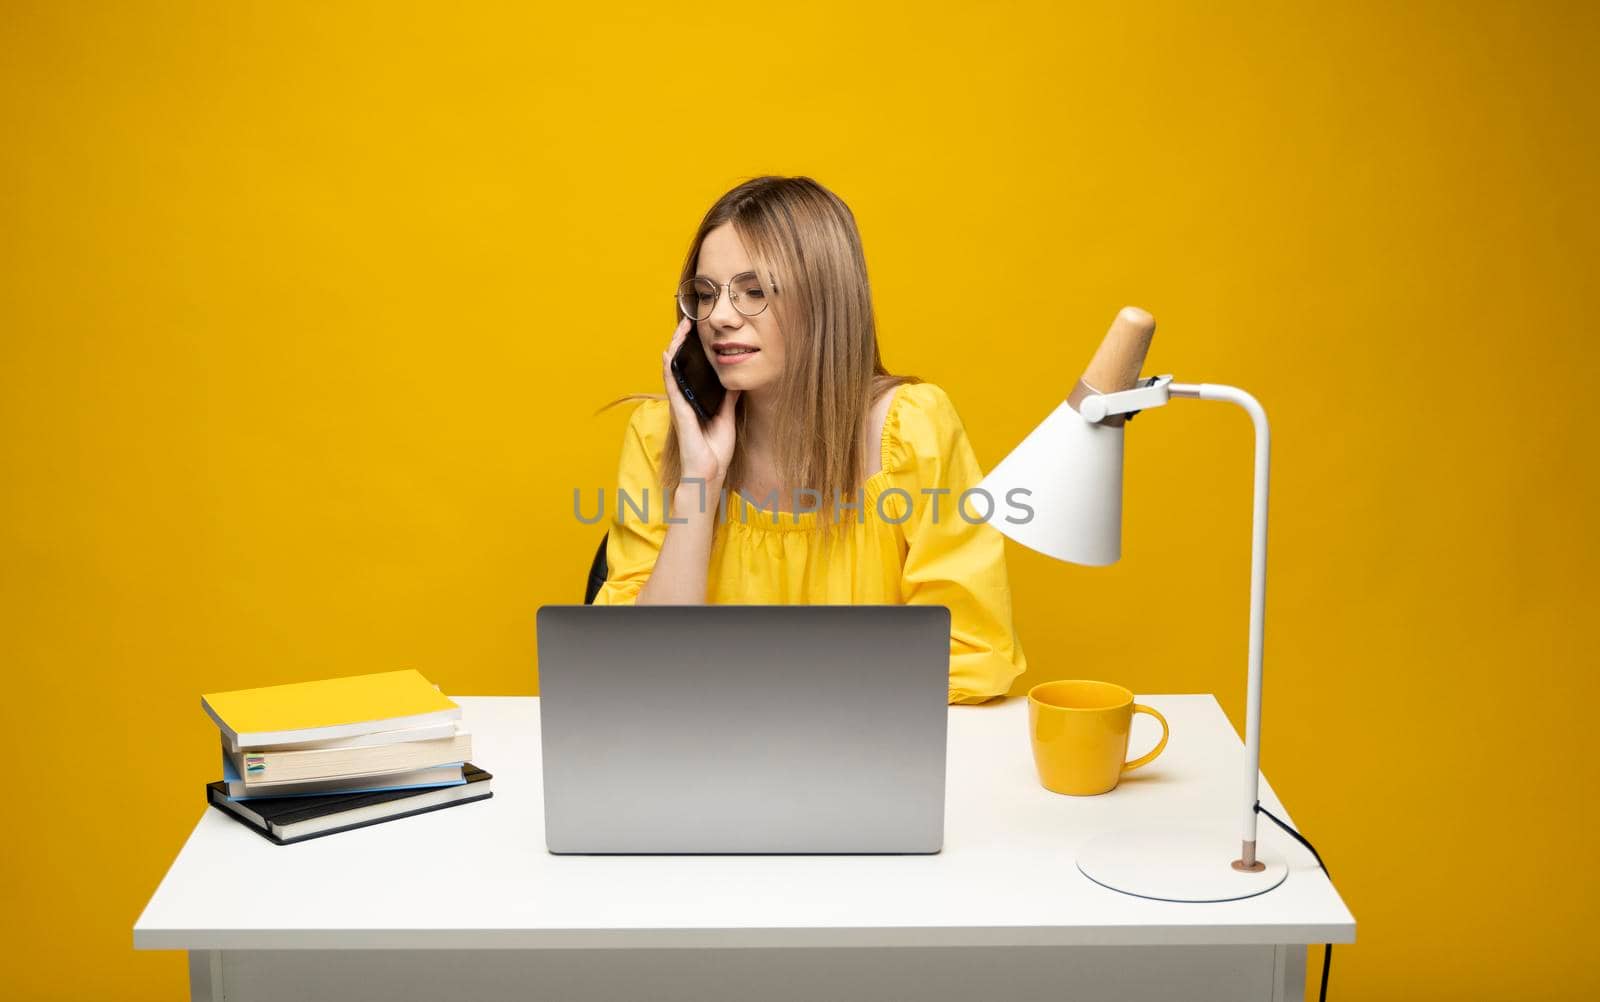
(758, 422)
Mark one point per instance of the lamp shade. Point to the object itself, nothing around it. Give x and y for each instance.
(1071, 471)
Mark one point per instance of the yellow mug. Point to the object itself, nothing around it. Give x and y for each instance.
(1080, 735)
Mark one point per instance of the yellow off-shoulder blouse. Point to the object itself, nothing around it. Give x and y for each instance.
(764, 557)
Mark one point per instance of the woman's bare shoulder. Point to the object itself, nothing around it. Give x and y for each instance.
(877, 416)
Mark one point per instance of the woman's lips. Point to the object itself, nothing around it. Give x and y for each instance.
(734, 359)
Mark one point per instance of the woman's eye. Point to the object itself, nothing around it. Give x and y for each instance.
(755, 293)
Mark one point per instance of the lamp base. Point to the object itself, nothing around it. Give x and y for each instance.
(1193, 864)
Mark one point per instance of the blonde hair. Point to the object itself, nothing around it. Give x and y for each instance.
(806, 249)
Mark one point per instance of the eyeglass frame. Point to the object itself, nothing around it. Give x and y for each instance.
(731, 297)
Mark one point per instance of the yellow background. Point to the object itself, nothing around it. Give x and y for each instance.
(303, 313)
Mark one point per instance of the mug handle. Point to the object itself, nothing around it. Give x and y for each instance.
(1165, 733)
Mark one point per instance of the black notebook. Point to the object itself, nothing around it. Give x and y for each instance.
(295, 819)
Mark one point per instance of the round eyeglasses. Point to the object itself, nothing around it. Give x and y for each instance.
(698, 296)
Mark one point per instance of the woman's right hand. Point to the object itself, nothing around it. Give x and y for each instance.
(704, 450)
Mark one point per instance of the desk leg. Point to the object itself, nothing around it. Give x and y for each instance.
(1289, 974)
(205, 976)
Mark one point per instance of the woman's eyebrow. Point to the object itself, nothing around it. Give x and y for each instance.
(741, 274)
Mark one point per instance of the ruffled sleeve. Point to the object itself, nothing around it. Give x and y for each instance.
(954, 557)
(634, 540)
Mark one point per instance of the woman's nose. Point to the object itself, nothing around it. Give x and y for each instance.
(723, 314)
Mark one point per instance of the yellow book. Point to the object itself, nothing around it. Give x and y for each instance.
(327, 709)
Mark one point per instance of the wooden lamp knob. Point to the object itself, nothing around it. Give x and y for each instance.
(1121, 355)
(1117, 361)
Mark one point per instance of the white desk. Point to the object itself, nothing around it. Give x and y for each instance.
(466, 903)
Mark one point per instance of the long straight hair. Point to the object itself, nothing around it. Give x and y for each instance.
(806, 249)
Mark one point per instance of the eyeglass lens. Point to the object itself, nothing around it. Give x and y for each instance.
(698, 296)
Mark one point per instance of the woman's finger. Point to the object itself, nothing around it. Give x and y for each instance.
(683, 415)
(678, 334)
(667, 356)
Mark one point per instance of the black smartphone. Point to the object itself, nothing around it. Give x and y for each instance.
(697, 377)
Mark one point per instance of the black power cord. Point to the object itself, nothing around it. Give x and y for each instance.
(1327, 950)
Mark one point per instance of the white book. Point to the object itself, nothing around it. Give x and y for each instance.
(261, 769)
(444, 729)
(234, 788)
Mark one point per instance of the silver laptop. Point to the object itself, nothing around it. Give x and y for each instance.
(744, 728)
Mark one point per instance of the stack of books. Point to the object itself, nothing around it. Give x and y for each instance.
(315, 758)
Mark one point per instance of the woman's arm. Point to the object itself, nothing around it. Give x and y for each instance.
(661, 560)
(950, 560)
(679, 577)
(704, 452)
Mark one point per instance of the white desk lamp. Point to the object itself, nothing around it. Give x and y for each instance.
(1071, 467)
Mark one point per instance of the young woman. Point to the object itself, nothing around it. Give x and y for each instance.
(775, 288)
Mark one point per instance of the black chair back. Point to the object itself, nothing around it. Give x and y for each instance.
(597, 572)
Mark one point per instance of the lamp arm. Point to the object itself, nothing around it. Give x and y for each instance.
(1258, 601)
